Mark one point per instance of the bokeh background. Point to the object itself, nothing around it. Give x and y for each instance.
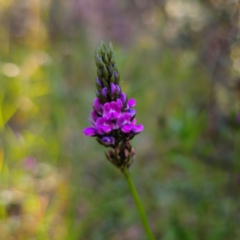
(180, 59)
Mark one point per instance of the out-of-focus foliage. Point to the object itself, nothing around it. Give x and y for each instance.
(179, 59)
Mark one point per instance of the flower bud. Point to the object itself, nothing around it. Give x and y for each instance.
(110, 70)
(99, 73)
(105, 72)
(98, 87)
(116, 76)
(113, 116)
(110, 155)
(115, 66)
(105, 58)
(98, 82)
(112, 79)
(99, 62)
(105, 84)
(107, 141)
(104, 92)
(111, 47)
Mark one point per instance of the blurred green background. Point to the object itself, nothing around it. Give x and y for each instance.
(180, 59)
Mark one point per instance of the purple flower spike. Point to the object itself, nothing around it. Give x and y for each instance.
(90, 131)
(113, 121)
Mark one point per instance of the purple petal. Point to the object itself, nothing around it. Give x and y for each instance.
(123, 120)
(104, 129)
(118, 90)
(132, 112)
(100, 121)
(97, 105)
(113, 88)
(116, 115)
(115, 74)
(120, 104)
(123, 97)
(106, 109)
(134, 121)
(131, 102)
(104, 92)
(116, 106)
(103, 122)
(127, 128)
(138, 128)
(104, 125)
(112, 109)
(98, 82)
(91, 121)
(94, 115)
(108, 140)
(90, 131)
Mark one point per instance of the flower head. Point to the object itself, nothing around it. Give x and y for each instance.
(113, 116)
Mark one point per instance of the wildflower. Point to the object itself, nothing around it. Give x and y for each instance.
(113, 116)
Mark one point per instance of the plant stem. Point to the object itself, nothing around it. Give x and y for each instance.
(138, 203)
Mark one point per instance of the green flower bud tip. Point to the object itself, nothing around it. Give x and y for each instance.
(113, 60)
(105, 84)
(99, 72)
(112, 79)
(110, 69)
(100, 62)
(110, 47)
(98, 87)
(104, 47)
(105, 58)
(110, 51)
(105, 72)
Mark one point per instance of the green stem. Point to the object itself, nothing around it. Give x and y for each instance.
(138, 203)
